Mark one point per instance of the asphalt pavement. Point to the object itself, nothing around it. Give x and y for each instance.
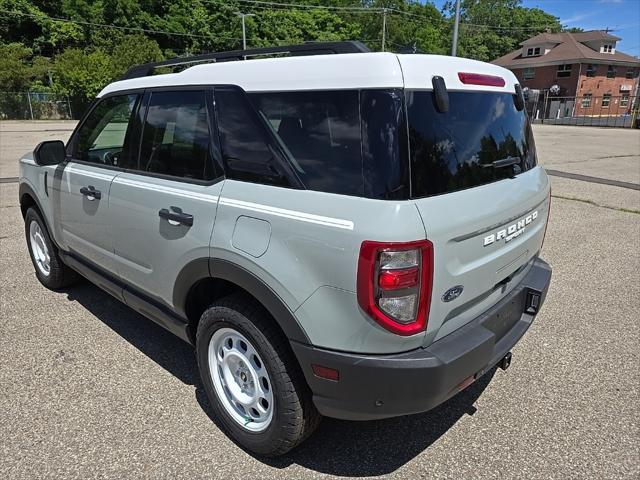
(90, 389)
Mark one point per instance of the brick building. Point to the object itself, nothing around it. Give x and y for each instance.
(584, 65)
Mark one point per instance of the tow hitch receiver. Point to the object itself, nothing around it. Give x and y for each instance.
(505, 362)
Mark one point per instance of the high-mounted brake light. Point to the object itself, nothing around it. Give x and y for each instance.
(481, 79)
(394, 284)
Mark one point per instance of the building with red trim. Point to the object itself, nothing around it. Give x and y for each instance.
(585, 65)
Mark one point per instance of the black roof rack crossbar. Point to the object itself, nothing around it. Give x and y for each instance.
(308, 48)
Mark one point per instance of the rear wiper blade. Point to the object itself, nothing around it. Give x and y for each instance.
(503, 162)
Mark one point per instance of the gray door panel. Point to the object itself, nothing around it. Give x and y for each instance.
(84, 219)
(151, 250)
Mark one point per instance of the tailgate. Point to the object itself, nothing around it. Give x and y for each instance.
(484, 239)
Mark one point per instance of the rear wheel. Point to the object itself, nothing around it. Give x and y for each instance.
(253, 382)
(50, 270)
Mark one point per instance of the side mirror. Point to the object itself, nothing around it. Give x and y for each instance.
(51, 152)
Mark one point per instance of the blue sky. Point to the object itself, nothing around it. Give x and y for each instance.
(621, 16)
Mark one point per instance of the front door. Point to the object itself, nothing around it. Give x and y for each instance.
(164, 210)
(83, 183)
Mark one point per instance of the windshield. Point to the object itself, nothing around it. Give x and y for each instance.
(482, 138)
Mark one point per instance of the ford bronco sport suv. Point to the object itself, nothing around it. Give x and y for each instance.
(337, 232)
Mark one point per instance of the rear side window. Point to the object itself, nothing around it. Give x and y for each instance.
(246, 148)
(461, 148)
(176, 139)
(320, 130)
(101, 137)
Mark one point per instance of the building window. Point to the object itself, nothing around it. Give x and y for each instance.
(586, 100)
(564, 71)
(528, 73)
(533, 51)
(611, 71)
(591, 70)
(624, 100)
(631, 73)
(606, 99)
(607, 48)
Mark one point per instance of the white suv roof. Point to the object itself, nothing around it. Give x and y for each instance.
(327, 72)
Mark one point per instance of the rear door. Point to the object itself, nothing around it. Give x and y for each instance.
(483, 200)
(83, 185)
(164, 205)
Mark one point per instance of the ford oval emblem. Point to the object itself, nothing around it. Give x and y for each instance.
(452, 293)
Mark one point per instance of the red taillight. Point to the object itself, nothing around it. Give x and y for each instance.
(481, 79)
(397, 279)
(394, 284)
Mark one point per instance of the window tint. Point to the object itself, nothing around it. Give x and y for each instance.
(321, 132)
(384, 144)
(176, 136)
(246, 148)
(457, 149)
(101, 137)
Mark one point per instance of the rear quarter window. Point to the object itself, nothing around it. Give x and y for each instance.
(349, 142)
(321, 132)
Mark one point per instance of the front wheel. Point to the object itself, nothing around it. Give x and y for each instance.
(50, 270)
(253, 382)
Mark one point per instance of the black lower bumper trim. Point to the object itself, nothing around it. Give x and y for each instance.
(381, 386)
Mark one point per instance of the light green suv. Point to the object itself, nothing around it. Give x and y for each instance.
(337, 232)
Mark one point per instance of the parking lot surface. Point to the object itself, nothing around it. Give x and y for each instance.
(88, 388)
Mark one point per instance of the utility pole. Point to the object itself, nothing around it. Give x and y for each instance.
(244, 31)
(456, 24)
(384, 27)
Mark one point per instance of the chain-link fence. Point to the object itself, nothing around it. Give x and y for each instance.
(587, 110)
(34, 106)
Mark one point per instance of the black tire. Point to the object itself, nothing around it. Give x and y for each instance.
(59, 275)
(294, 415)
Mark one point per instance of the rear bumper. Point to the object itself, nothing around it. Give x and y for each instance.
(381, 386)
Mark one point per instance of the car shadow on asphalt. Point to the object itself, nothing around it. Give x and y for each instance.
(351, 449)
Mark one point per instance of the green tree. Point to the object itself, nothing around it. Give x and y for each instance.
(82, 75)
(492, 28)
(134, 50)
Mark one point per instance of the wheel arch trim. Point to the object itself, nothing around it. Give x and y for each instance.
(217, 268)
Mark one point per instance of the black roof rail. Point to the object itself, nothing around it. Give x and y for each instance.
(307, 48)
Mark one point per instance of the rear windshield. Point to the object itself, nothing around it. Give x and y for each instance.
(462, 147)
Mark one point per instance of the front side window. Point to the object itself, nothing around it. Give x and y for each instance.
(482, 138)
(101, 138)
(176, 139)
(321, 132)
